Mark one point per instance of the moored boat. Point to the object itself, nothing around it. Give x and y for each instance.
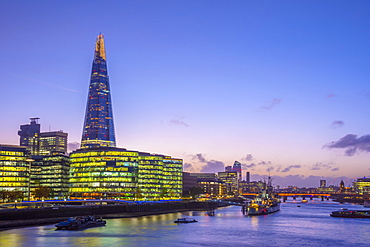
(265, 202)
(80, 222)
(345, 213)
(185, 220)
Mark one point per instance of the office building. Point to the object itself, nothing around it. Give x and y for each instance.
(42, 143)
(231, 179)
(98, 129)
(14, 169)
(29, 136)
(117, 173)
(54, 142)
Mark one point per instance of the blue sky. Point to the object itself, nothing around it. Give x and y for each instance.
(281, 86)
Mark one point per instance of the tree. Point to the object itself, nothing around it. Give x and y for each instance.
(14, 195)
(195, 191)
(42, 192)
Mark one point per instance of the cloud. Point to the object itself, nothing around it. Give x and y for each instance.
(209, 165)
(337, 124)
(48, 84)
(179, 121)
(199, 157)
(287, 169)
(271, 104)
(248, 157)
(245, 166)
(352, 144)
(320, 166)
(188, 167)
(72, 146)
(213, 166)
(335, 169)
(331, 95)
(270, 169)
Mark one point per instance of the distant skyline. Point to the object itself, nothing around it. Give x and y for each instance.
(282, 87)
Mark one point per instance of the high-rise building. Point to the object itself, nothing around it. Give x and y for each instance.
(248, 177)
(231, 180)
(29, 136)
(98, 130)
(101, 170)
(42, 143)
(322, 183)
(53, 143)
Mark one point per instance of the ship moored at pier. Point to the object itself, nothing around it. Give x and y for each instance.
(265, 202)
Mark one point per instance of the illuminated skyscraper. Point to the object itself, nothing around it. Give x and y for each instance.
(98, 130)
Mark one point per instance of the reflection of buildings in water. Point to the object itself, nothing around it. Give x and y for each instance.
(254, 222)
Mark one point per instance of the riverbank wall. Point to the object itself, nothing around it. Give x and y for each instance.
(26, 217)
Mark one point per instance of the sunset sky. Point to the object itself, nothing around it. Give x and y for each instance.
(281, 86)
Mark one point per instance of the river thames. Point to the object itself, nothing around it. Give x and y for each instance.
(297, 224)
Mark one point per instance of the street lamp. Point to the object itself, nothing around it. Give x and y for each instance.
(29, 177)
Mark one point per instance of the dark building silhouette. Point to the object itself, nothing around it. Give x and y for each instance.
(29, 136)
(98, 130)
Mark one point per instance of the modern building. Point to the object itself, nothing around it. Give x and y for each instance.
(42, 143)
(237, 167)
(98, 130)
(322, 183)
(362, 185)
(54, 142)
(117, 173)
(104, 173)
(188, 182)
(101, 170)
(51, 172)
(14, 169)
(231, 179)
(211, 184)
(29, 136)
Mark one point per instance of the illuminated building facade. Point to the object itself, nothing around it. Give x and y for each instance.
(362, 185)
(116, 173)
(231, 180)
(29, 136)
(14, 169)
(42, 143)
(103, 173)
(172, 178)
(51, 172)
(53, 142)
(98, 130)
(211, 184)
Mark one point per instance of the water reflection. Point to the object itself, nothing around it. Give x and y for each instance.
(308, 225)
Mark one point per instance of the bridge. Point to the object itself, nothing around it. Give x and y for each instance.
(285, 195)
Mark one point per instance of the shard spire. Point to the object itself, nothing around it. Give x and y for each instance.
(98, 130)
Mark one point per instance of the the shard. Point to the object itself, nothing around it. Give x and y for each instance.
(98, 130)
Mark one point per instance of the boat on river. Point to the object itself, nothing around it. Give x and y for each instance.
(345, 213)
(80, 222)
(265, 202)
(185, 220)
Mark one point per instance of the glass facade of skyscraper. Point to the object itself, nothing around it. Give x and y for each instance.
(98, 130)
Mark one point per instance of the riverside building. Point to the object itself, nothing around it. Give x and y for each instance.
(14, 169)
(117, 173)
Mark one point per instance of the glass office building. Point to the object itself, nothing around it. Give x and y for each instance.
(117, 173)
(14, 169)
(109, 173)
(98, 130)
